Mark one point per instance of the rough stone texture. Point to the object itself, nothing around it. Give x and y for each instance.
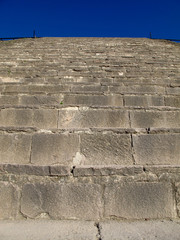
(139, 201)
(40, 100)
(44, 118)
(106, 149)
(157, 149)
(59, 170)
(54, 148)
(150, 230)
(144, 101)
(107, 170)
(178, 197)
(8, 201)
(62, 201)
(86, 118)
(93, 100)
(146, 119)
(48, 230)
(172, 101)
(15, 148)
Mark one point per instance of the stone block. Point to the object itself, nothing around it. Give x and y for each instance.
(49, 100)
(173, 101)
(16, 117)
(8, 100)
(54, 148)
(157, 149)
(15, 148)
(86, 118)
(26, 169)
(140, 200)
(8, 201)
(40, 118)
(93, 100)
(137, 89)
(144, 101)
(173, 90)
(48, 230)
(62, 201)
(107, 170)
(158, 119)
(59, 170)
(106, 149)
(145, 230)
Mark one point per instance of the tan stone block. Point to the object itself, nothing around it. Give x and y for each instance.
(62, 201)
(158, 119)
(106, 149)
(15, 148)
(8, 201)
(157, 149)
(141, 200)
(144, 101)
(54, 148)
(86, 118)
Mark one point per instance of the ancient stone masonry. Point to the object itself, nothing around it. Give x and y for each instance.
(89, 129)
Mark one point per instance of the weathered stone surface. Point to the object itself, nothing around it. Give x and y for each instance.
(59, 170)
(144, 101)
(15, 148)
(135, 89)
(40, 100)
(62, 201)
(157, 149)
(87, 118)
(8, 201)
(139, 200)
(48, 230)
(173, 101)
(106, 149)
(93, 100)
(8, 100)
(54, 148)
(167, 119)
(40, 118)
(150, 230)
(106, 170)
(26, 169)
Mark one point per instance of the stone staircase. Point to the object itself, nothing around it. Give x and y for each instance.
(89, 129)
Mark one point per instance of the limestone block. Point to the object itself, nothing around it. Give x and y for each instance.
(135, 89)
(93, 100)
(173, 90)
(173, 101)
(86, 118)
(106, 149)
(89, 88)
(136, 230)
(107, 170)
(59, 170)
(16, 117)
(8, 100)
(144, 101)
(40, 100)
(40, 118)
(15, 148)
(62, 201)
(158, 119)
(157, 149)
(54, 148)
(139, 200)
(8, 201)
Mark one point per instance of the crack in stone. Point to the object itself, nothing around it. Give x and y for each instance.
(99, 231)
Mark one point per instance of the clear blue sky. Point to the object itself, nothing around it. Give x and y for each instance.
(93, 18)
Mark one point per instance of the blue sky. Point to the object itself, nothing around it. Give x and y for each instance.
(68, 18)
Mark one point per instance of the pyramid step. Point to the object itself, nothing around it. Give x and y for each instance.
(89, 193)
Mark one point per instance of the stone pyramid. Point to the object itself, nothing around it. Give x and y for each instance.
(89, 129)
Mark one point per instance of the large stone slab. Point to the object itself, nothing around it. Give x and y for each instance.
(62, 201)
(140, 200)
(106, 149)
(144, 100)
(150, 230)
(87, 118)
(157, 149)
(158, 119)
(48, 230)
(15, 148)
(9, 204)
(40, 118)
(54, 148)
